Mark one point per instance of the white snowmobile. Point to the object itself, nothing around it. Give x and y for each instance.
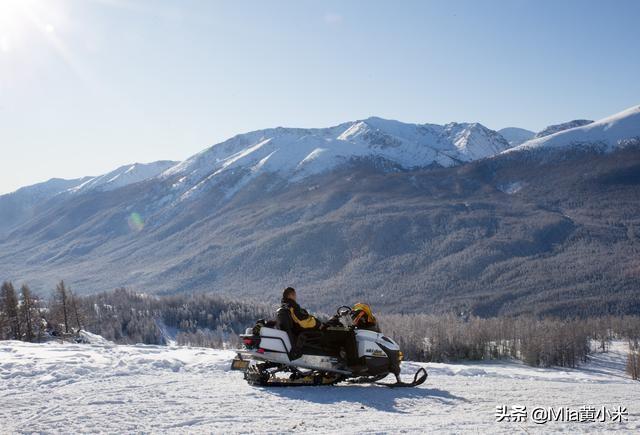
(336, 354)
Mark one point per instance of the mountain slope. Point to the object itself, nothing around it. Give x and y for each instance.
(20, 206)
(422, 240)
(608, 133)
(123, 176)
(551, 129)
(17, 207)
(250, 215)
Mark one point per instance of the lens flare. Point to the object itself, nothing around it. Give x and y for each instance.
(135, 221)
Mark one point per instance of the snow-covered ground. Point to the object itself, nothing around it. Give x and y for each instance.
(101, 387)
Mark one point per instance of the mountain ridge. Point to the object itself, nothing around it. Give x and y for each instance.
(488, 236)
(556, 128)
(19, 205)
(607, 133)
(516, 135)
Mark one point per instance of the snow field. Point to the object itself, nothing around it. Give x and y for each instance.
(101, 387)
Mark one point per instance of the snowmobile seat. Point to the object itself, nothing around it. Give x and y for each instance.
(330, 341)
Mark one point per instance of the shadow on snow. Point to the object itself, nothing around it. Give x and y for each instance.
(369, 396)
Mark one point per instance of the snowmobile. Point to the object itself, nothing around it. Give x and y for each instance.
(339, 353)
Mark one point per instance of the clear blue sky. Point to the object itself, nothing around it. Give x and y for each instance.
(88, 85)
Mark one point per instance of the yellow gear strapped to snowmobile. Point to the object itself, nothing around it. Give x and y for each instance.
(362, 310)
(309, 322)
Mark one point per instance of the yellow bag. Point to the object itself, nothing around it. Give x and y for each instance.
(362, 313)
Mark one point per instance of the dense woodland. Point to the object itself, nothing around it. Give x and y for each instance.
(126, 317)
(210, 320)
(538, 342)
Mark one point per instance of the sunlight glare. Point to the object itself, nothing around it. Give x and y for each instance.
(23, 19)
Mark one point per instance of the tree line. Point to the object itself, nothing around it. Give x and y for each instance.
(540, 342)
(126, 317)
(209, 320)
(25, 316)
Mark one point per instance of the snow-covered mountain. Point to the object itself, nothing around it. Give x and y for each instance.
(18, 206)
(612, 132)
(123, 176)
(551, 129)
(515, 136)
(46, 189)
(341, 209)
(295, 153)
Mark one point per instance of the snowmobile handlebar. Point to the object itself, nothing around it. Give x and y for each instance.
(343, 311)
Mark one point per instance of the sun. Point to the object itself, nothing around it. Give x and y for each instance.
(22, 19)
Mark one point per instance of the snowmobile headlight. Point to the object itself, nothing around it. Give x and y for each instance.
(400, 356)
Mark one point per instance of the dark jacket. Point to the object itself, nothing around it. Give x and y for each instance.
(295, 319)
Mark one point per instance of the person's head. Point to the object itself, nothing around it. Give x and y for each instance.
(289, 293)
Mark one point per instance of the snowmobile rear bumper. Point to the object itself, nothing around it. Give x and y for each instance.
(239, 363)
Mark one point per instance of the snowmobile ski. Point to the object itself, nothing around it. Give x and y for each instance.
(419, 378)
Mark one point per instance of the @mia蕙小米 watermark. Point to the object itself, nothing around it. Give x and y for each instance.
(546, 414)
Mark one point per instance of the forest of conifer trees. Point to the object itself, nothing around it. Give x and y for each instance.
(209, 320)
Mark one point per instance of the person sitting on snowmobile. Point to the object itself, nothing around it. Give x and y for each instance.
(294, 319)
(363, 318)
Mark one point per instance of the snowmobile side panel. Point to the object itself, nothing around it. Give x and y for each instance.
(312, 362)
(274, 340)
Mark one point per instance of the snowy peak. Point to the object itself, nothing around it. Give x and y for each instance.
(551, 129)
(123, 176)
(295, 153)
(609, 133)
(355, 130)
(475, 141)
(515, 136)
(467, 141)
